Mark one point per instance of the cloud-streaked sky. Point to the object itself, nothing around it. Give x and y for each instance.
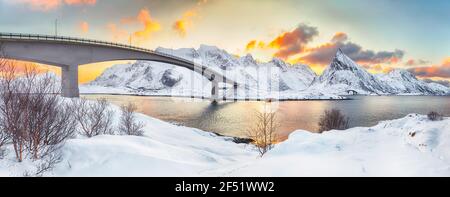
(380, 35)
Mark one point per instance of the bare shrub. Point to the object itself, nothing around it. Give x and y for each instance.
(435, 116)
(263, 133)
(11, 113)
(94, 117)
(32, 114)
(128, 123)
(333, 119)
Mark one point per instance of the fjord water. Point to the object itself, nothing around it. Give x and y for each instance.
(235, 118)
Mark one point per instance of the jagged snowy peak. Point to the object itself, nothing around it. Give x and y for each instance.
(404, 82)
(210, 56)
(248, 60)
(344, 76)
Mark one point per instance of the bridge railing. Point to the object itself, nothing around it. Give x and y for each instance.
(20, 36)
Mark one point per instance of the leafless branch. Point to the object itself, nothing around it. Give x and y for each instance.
(333, 119)
(264, 132)
(128, 123)
(94, 118)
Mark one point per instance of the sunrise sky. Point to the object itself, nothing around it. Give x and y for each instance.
(380, 35)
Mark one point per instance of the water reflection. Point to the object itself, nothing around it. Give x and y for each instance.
(235, 118)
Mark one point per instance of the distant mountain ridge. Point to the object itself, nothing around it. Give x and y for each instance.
(342, 77)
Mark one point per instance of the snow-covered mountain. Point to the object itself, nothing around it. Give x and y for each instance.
(263, 79)
(403, 82)
(343, 76)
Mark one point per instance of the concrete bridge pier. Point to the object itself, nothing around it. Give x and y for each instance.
(69, 82)
(214, 91)
(235, 93)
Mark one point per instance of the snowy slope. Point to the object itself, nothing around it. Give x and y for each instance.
(343, 76)
(152, 78)
(404, 82)
(164, 150)
(410, 146)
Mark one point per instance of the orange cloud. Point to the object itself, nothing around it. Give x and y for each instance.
(294, 42)
(288, 44)
(251, 45)
(254, 44)
(293, 47)
(182, 25)
(45, 5)
(441, 71)
(80, 2)
(84, 27)
(339, 37)
(149, 24)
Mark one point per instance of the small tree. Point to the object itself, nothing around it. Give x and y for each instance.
(264, 131)
(128, 123)
(12, 101)
(333, 119)
(94, 117)
(32, 115)
(434, 116)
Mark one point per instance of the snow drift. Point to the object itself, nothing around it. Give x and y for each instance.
(410, 146)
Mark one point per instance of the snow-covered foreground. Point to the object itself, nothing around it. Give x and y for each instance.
(411, 146)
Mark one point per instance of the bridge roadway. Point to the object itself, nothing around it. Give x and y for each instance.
(69, 53)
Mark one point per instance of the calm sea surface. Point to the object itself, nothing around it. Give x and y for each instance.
(235, 118)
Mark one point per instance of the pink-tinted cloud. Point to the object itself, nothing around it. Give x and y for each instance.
(45, 5)
(441, 71)
(416, 62)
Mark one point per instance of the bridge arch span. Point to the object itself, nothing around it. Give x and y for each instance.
(69, 53)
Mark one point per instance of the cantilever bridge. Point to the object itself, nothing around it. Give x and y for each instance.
(69, 53)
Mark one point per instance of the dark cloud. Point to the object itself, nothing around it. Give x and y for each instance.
(418, 62)
(442, 70)
(294, 42)
(325, 53)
